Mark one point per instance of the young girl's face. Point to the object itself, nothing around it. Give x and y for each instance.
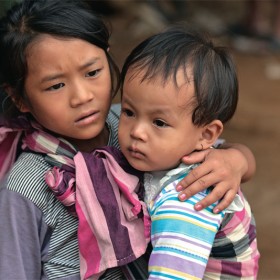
(68, 89)
(156, 128)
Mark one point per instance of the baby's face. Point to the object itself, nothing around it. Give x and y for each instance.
(156, 128)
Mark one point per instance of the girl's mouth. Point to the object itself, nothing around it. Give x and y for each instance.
(87, 118)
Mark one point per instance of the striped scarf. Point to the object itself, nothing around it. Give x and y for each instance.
(100, 188)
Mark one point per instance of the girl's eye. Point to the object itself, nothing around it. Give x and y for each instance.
(56, 86)
(93, 73)
(127, 112)
(160, 123)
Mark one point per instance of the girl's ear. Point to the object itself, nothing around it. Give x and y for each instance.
(210, 133)
(19, 103)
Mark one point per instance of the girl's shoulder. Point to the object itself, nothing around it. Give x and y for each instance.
(29, 167)
(116, 110)
(27, 177)
(113, 124)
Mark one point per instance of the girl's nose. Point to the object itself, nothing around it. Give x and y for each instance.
(81, 94)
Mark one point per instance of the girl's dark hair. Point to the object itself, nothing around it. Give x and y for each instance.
(214, 73)
(27, 20)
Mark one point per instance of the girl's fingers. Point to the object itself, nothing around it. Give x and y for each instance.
(224, 190)
(195, 157)
(216, 170)
(199, 185)
(225, 202)
(211, 198)
(195, 181)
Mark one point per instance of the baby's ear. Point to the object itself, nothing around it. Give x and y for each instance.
(19, 103)
(211, 133)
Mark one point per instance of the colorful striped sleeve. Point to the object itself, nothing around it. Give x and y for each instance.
(182, 238)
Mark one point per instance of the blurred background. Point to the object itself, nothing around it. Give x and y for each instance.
(251, 29)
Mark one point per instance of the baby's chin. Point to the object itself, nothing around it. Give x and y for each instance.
(162, 167)
(146, 166)
(140, 166)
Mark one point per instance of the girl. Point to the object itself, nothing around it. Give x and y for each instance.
(59, 81)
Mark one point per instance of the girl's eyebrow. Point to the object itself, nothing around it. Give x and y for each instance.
(60, 75)
(51, 77)
(89, 63)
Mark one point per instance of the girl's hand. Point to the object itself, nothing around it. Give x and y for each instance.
(223, 168)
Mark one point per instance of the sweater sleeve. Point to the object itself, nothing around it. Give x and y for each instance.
(182, 238)
(23, 237)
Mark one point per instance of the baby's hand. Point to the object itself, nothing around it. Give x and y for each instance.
(220, 168)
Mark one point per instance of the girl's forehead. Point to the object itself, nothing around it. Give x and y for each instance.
(46, 48)
(47, 42)
(52, 57)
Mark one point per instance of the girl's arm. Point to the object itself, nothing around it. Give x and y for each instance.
(21, 225)
(224, 168)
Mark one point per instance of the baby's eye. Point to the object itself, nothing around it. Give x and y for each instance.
(93, 73)
(127, 112)
(160, 123)
(56, 86)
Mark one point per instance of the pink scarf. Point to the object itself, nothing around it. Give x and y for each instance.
(100, 188)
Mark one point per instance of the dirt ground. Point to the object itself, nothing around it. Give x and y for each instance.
(257, 120)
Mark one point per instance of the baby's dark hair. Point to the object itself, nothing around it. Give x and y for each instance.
(212, 70)
(28, 20)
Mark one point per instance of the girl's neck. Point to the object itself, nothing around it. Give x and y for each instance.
(89, 145)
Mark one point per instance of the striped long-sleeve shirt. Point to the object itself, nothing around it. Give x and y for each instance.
(197, 245)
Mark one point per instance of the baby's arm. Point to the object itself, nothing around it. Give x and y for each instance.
(182, 238)
(225, 168)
